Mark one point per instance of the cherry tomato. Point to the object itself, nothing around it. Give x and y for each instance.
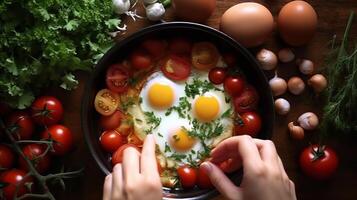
(217, 75)
(14, 178)
(117, 156)
(155, 47)
(204, 182)
(140, 60)
(62, 136)
(248, 123)
(112, 121)
(111, 141)
(21, 125)
(33, 152)
(180, 45)
(247, 101)
(319, 163)
(106, 102)
(175, 68)
(7, 157)
(234, 86)
(230, 59)
(117, 78)
(187, 176)
(47, 110)
(204, 55)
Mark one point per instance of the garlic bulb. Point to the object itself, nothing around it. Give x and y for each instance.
(286, 55)
(278, 85)
(296, 85)
(296, 132)
(282, 106)
(318, 82)
(121, 6)
(306, 66)
(155, 12)
(267, 59)
(308, 121)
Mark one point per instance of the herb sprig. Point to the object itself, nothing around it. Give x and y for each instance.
(199, 87)
(152, 120)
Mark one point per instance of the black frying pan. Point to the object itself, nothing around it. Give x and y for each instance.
(196, 32)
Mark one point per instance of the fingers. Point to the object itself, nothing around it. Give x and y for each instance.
(222, 182)
(131, 164)
(225, 150)
(230, 165)
(267, 152)
(107, 188)
(117, 182)
(282, 170)
(148, 158)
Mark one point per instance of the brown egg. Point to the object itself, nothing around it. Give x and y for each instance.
(248, 23)
(194, 10)
(297, 23)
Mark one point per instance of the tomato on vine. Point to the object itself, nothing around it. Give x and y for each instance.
(62, 137)
(47, 110)
(36, 153)
(20, 125)
(14, 178)
(7, 157)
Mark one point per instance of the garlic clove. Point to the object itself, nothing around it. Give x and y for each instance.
(308, 121)
(282, 106)
(155, 12)
(286, 55)
(296, 85)
(267, 59)
(306, 66)
(296, 132)
(278, 85)
(318, 82)
(121, 6)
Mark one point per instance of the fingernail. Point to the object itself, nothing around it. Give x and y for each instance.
(207, 166)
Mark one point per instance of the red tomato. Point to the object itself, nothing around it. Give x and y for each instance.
(180, 45)
(117, 78)
(112, 121)
(117, 156)
(33, 152)
(187, 176)
(247, 101)
(204, 55)
(217, 75)
(248, 123)
(155, 47)
(230, 59)
(6, 157)
(47, 110)
(14, 178)
(111, 141)
(234, 86)
(106, 102)
(140, 60)
(21, 125)
(204, 182)
(62, 136)
(175, 68)
(319, 163)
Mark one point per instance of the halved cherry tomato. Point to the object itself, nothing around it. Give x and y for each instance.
(112, 121)
(204, 55)
(175, 68)
(62, 137)
(35, 152)
(106, 102)
(111, 140)
(187, 176)
(248, 123)
(7, 157)
(234, 86)
(135, 140)
(20, 125)
(217, 75)
(180, 45)
(16, 180)
(117, 78)
(247, 101)
(230, 59)
(204, 182)
(140, 59)
(155, 47)
(117, 156)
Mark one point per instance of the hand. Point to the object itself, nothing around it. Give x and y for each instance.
(137, 177)
(264, 177)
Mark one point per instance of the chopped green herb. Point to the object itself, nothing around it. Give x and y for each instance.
(138, 120)
(167, 148)
(127, 102)
(193, 151)
(227, 99)
(205, 131)
(227, 113)
(199, 87)
(178, 157)
(159, 134)
(152, 119)
(182, 109)
(140, 100)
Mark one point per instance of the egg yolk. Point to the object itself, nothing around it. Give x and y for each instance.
(181, 141)
(161, 95)
(206, 108)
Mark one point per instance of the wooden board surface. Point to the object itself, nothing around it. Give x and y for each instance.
(333, 15)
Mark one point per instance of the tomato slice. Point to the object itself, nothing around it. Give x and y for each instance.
(175, 68)
(112, 121)
(106, 102)
(204, 55)
(141, 60)
(155, 47)
(117, 78)
(180, 45)
(117, 157)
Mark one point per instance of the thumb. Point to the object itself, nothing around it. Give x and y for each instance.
(222, 183)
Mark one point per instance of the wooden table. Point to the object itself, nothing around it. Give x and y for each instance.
(333, 16)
